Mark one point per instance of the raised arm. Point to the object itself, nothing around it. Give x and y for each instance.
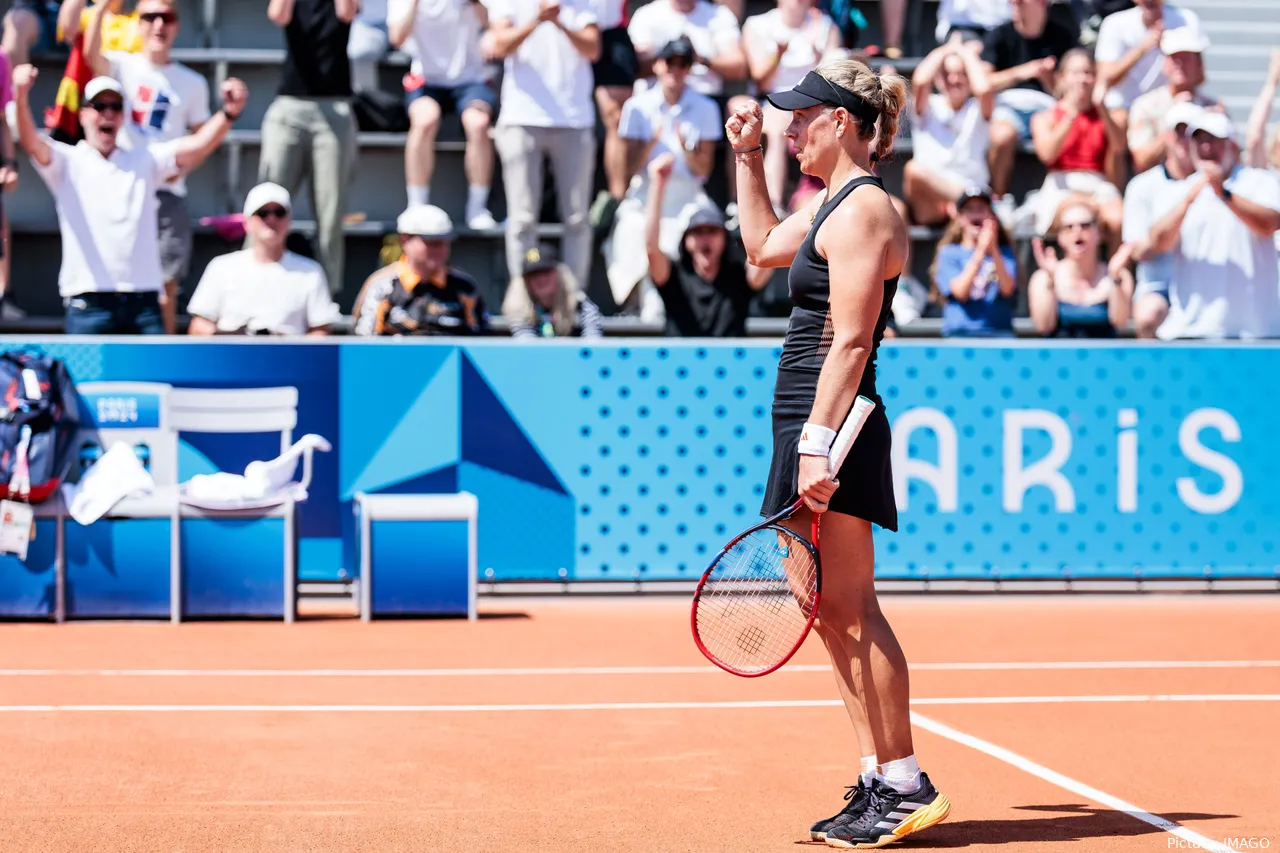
(347, 10)
(505, 37)
(769, 243)
(1255, 151)
(33, 141)
(926, 72)
(1036, 69)
(585, 40)
(1110, 73)
(659, 264)
(399, 29)
(69, 19)
(192, 150)
(1262, 220)
(979, 82)
(1117, 159)
(280, 12)
(93, 41)
(1165, 233)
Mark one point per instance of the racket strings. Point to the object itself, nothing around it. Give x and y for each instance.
(754, 606)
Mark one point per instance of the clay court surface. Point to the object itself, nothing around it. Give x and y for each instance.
(594, 724)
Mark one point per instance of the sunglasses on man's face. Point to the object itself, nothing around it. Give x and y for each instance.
(152, 17)
(272, 211)
(106, 106)
(680, 62)
(1078, 226)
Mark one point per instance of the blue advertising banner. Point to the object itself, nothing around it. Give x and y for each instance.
(637, 459)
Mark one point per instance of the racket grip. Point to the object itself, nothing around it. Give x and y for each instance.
(862, 408)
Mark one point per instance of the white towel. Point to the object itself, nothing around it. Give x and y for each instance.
(116, 475)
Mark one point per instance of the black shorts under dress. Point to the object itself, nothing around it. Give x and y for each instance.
(866, 479)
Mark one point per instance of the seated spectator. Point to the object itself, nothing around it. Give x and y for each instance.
(165, 100)
(713, 30)
(545, 301)
(975, 270)
(367, 44)
(971, 20)
(1130, 62)
(31, 25)
(707, 287)
(1075, 296)
(1081, 145)
(547, 112)
(669, 118)
(111, 278)
(1143, 200)
(1222, 224)
(1257, 153)
(1184, 75)
(447, 75)
(1022, 54)
(782, 45)
(950, 133)
(264, 289)
(614, 74)
(424, 295)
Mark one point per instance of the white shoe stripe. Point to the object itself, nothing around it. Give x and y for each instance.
(887, 824)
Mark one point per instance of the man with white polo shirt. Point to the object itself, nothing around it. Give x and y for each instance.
(546, 113)
(1143, 200)
(1221, 223)
(1128, 54)
(164, 100)
(111, 277)
(264, 289)
(1184, 75)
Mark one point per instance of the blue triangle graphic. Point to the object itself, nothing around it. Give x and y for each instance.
(361, 366)
(492, 439)
(443, 481)
(426, 438)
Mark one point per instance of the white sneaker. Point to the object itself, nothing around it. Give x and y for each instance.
(482, 221)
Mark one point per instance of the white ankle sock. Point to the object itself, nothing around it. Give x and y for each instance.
(418, 195)
(869, 765)
(477, 200)
(903, 775)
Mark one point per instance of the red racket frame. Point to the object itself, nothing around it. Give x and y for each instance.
(772, 521)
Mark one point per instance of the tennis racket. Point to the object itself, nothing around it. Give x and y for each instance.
(757, 600)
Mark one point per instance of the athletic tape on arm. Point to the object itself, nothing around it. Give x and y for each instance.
(862, 408)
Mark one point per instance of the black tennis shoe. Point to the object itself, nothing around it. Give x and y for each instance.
(890, 816)
(856, 795)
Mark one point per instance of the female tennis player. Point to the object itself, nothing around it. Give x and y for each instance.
(846, 248)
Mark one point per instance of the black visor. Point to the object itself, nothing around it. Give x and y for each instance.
(815, 89)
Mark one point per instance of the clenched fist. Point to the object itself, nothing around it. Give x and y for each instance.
(744, 127)
(235, 94)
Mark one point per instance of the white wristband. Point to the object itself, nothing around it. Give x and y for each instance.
(816, 440)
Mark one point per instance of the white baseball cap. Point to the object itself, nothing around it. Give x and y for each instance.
(1214, 123)
(265, 194)
(425, 220)
(1183, 40)
(1182, 112)
(98, 85)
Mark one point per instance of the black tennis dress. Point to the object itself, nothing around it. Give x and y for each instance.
(866, 479)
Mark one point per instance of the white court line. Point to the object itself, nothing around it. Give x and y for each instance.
(964, 666)
(1066, 782)
(631, 706)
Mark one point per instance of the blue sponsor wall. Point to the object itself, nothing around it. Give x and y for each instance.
(637, 459)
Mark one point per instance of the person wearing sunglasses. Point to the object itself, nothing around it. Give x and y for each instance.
(165, 100)
(1075, 295)
(264, 289)
(105, 196)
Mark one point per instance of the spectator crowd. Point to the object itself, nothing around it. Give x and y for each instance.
(1156, 215)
